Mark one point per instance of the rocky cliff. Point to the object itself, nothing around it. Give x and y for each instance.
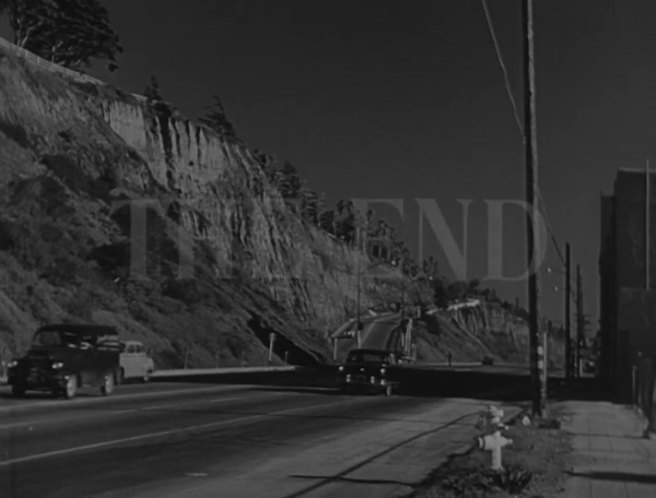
(486, 328)
(120, 211)
(117, 210)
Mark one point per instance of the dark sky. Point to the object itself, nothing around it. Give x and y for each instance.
(406, 100)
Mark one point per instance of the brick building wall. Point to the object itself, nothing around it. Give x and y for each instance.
(628, 308)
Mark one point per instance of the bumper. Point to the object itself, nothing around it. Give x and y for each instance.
(373, 384)
(38, 380)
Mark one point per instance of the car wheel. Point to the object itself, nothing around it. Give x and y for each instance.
(388, 390)
(17, 391)
(108, 385)
(71, 387)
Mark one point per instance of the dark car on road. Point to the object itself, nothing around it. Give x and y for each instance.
(63, 358)
(369, 370)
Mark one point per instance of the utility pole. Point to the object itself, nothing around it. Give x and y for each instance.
(538, 391)
(579, 318)
(647, 225)
(568, 314)
(357, 299)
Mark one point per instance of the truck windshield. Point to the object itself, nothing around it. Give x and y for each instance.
(54, 338)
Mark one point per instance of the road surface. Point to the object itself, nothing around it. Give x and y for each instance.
(228, 441)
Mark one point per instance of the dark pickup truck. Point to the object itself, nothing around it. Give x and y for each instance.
(63, 358)
(369, 370)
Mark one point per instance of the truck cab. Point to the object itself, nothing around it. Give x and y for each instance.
(64, 357)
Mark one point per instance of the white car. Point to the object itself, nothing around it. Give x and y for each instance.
(135, 361)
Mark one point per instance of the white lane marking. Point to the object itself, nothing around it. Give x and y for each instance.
(81, 402)
(178, 404)
(215, 400)
(141, 437)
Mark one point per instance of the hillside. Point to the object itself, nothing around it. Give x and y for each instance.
(470, 333)
(117, 211)
(120, 211)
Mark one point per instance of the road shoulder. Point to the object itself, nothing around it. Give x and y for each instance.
(387, 459)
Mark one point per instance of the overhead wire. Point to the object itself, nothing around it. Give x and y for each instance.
(506, 79)
(497, 48)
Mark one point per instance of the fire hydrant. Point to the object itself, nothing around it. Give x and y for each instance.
(494, 441)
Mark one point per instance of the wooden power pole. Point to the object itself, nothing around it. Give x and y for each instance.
(580, 319)
(568, 314)
(538, 391)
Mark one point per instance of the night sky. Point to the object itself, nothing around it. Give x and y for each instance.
(376, 99)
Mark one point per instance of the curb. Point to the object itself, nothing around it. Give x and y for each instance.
(218, 371)
(463, 450)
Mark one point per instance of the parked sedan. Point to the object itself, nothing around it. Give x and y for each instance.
(135, 361)
(369, 370)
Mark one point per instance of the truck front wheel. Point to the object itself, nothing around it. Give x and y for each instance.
(70, 390)
(17, 391)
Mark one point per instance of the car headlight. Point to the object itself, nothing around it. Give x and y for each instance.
(57, 365)
(341, 368)
(382, 371)
(12, 364)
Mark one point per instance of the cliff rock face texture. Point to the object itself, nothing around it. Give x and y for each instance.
(119, 211)
(487, 329)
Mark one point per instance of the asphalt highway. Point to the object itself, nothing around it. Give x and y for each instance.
(171, 436)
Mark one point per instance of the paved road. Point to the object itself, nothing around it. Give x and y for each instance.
(227, 440)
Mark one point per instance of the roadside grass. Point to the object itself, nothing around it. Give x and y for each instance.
(534, 466)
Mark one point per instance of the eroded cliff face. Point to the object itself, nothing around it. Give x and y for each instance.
(223, 197)
(502, 332)
(117, 212)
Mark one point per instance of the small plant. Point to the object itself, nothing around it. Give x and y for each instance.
(513, 479)
(476, 482)
(549, 424)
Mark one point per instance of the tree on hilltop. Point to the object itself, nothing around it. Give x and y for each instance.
(216, 119)
(309, 201)
(152, 90)
(66, 32)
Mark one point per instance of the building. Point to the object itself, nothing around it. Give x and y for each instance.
(627, 278)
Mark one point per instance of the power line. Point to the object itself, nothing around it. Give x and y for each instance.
(513, 103)
(497, 49)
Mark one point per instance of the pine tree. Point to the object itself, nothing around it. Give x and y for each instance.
(327, 221)
(309, 208)
(66, 32)
(216, 119)
(288, 181)
(152, 90)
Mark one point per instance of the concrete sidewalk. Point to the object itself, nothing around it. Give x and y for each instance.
(610, 457)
